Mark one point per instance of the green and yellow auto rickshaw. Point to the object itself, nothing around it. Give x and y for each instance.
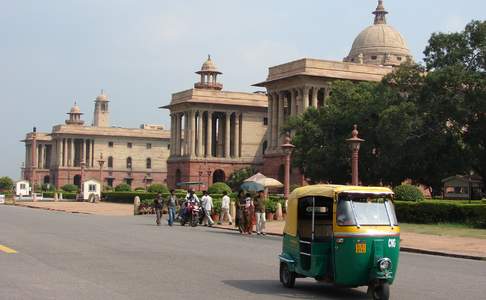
(345, 235)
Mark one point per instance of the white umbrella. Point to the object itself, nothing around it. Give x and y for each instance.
(268, 182)
(255, 177)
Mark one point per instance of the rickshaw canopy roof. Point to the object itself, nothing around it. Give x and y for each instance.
(323, 190)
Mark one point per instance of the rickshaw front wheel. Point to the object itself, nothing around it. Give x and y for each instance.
(287, 278)
(380, 291)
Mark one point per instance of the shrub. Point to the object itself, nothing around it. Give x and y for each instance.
(433, 212)
(6, 183)
(69, 188)
(217, 205)
(139, 189)
(406, 192)
(107, 188)
(123, 187)
(46, 187)
(127, 197)
(219, 188)
(158, 188)
(271, 206)
(236, 179)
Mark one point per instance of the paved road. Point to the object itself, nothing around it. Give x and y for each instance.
(72, 256)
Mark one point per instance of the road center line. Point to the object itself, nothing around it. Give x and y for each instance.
(7, 249)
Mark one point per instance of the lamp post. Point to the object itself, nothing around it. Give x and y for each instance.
(101, 162)
(354, 143)
(287, 148)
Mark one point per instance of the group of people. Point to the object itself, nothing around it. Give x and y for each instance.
(250, 210)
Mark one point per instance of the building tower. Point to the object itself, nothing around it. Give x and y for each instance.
(75, 116)
(209, 74)
(101, 112)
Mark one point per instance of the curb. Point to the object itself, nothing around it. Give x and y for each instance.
(51, 209)
(402, 249)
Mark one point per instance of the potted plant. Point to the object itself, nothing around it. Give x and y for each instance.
(270, 209)
(216, 210)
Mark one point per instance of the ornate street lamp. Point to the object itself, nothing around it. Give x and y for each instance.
(287, 148)
(354, 143)
(101, 162)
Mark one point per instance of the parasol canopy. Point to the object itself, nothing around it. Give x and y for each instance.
(255, 177)
(252, 186)
(268, 182)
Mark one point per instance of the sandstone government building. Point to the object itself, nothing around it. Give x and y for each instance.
(213, 132)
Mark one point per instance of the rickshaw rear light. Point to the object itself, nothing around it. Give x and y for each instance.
(384, 264)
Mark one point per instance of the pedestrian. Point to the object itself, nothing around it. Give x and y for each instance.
(171, 207)
(240, 206)
(260, 201)
(248, 214)
(207, 205)
(225, 208)
(158, 204)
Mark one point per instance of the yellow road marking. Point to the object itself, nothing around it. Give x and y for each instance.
(7, 249)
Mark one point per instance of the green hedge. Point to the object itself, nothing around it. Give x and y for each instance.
(433, 212)
(65, 195)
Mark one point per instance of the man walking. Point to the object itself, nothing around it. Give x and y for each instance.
(225, 208)
(158, 203)
(207, 204)
(171, 207)
(260, 202)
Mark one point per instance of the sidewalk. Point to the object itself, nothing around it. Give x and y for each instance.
(461, 247)
(102, 208)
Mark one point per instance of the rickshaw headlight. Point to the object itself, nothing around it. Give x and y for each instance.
(384, 264)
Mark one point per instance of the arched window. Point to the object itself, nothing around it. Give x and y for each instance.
(110, 161)
(148, 163)
(219, 176)
(265, 146)
(178, 176)
(129, 163)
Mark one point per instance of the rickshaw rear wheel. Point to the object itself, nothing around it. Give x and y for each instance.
(287, 278)
(380, 291)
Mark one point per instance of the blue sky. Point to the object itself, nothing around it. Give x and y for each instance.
(139, 51)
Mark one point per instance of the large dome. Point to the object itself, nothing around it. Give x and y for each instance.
(380, 43)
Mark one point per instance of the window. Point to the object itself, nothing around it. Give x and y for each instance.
(374, 57)
(168, 146)
(22, 186)
(149, 163)
(365, 210)
(129, 145)
(265, 121)
(110, 144)
(92, 188)
(110, 162)
(149, 146)
(129, 163)
(265, 146)
(399, 58)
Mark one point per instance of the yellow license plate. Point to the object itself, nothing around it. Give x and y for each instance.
(360, 248)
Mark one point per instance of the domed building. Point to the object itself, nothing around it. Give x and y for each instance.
(380, 43)
(295, 86)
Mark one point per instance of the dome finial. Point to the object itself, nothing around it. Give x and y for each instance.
(380, 13)
(209, 56)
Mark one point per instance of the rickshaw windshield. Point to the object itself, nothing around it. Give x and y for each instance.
(365, 209)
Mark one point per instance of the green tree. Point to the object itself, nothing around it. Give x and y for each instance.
(158, 188)
(69, 188)
(6, 183)
(123, 187)
(236, 179)
(219, 188)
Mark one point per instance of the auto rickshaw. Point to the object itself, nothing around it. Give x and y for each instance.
(345, 235)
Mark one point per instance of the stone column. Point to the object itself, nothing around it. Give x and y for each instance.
(171, 141)
(305, 97)
(276, 100)
(227, 136)
(209, 135)
(192, 133)
(71, 152)
(178, 135)
(280, 115)
(315, 91)
(40, 164)
(200, 152)
(64, 153)
(327, 93)
(237, 134)
(86, 155)
(270, 121)
(92, 153)
(293, 104)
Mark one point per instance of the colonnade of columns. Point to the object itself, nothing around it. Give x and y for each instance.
(71, 152)
(206, 133)
(283, 104)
